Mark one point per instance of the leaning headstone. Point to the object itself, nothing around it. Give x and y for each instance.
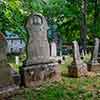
(94, 65)
(6, 80)
(37, 66)
(78, 67)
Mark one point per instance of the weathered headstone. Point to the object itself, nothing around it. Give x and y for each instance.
(95, 52)
(94, 65)
(37, 66)
(53, 49)
(38, 47)
(78, 67)
(6, 79)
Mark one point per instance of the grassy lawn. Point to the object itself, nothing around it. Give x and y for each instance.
(66, 89)
(84, 88)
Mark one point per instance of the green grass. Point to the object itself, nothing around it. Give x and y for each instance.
(15, 66)
(84, 88)
(66, 89)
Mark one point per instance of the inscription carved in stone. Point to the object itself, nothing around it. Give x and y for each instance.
(38, 46)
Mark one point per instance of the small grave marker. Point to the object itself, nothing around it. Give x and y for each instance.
(78, 67)
(94, 65)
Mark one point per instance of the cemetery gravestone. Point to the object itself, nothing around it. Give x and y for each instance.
(6, 79)
(37, 66)
(95, 52)
(94, 65)
(53, 49)
(38, 47)
(78, 67)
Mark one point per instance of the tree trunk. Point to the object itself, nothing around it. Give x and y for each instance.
(83, 24)
(95, 18)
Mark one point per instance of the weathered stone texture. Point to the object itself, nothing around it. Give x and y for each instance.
(94, 65)
(6, 79)
(78, 67)
(38, 67)
(38, 46)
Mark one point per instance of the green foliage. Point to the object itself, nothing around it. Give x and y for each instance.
(64, 13)
(12, 17)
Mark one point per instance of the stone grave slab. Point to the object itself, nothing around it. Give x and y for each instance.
(78, 67)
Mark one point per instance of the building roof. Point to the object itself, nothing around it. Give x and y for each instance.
(9, 33)
(12, 36)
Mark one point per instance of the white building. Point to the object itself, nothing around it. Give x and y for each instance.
(16, 44)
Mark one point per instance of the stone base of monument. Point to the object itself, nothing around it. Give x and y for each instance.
(79, 71)
(8, 90)
(94, 68)
(36, 74)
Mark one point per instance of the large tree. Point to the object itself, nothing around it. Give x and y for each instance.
(64, 13)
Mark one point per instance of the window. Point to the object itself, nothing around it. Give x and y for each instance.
(20, 41)
(11, 50)
(12, 41)
(20, 49)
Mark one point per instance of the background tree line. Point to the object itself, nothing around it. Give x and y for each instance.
(76, 19)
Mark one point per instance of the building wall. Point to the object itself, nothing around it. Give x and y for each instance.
(15, 45)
